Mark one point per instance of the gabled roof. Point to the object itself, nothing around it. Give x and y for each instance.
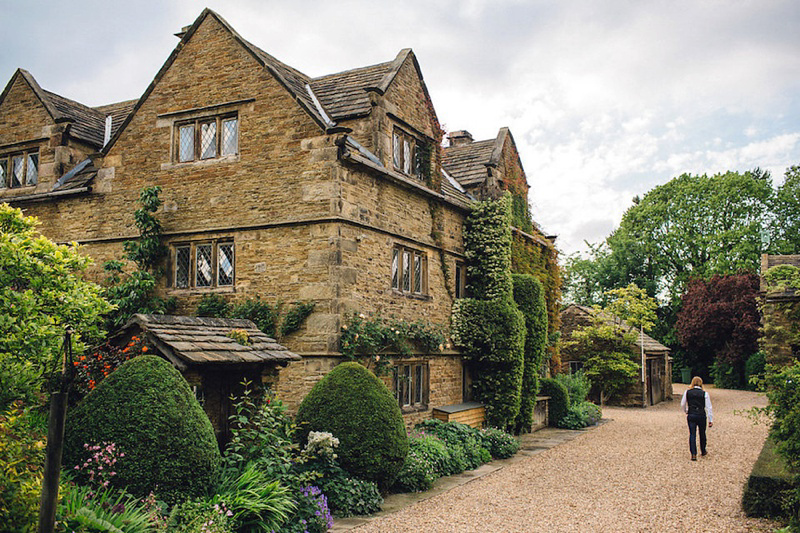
(118, 113)
(468, 163)
(186, 340)
(345, 94)
(650, 344)
(88, 124)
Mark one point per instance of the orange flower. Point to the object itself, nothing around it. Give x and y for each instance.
(144, 349)
(74, 363)
(83, 358)
(125, 350)
(99, 357)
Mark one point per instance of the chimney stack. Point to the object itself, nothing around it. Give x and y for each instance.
(459, 138)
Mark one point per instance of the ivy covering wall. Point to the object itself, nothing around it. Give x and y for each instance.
(781, 316)
(529, 297)
(489, 327)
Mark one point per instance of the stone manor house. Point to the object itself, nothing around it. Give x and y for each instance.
(277, 185)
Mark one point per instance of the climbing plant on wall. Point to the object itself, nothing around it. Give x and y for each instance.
(781, 318)
(529, 297)
(488, 327)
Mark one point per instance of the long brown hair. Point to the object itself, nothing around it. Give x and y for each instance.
(697, 381)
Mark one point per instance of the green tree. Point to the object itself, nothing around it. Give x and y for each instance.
(42, 290)
(786, 210)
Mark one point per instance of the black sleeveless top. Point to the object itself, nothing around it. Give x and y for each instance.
(696, 399)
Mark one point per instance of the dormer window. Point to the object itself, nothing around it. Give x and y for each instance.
(19, 169)
(207, 138)
(407, 153)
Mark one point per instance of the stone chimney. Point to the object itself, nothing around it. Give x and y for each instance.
(459, 138)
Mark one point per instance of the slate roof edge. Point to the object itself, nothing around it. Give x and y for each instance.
(657, 346)
(43, 196)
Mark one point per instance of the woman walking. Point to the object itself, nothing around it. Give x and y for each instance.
(696, 403)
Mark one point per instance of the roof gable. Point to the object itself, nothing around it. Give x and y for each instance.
(295, 82)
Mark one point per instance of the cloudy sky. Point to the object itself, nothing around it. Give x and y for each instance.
(605, 99)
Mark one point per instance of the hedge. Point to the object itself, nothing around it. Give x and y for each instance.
(558, 406)
(769, 488)
(529, 297)
(356, 407)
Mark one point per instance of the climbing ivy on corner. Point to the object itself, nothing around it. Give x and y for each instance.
(489, 328)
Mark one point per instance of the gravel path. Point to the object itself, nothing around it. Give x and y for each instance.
(630, 474)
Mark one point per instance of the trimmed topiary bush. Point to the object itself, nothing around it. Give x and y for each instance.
(147, 410)
(558, 406)
(769, 492)
(529, 297)
(357, 408)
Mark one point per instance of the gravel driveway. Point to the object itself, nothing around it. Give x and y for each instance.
(630, 474)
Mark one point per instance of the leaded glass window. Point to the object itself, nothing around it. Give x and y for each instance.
(406, 270)
(225, 264)
(409, 270)
(395, 268)
(186, 147)
(208, 140)
(3, 174)
(230, 136)
(32, 172)
(411, 385)
(182, 260)
(397, 155)
(17, 166)
(417, 273)
(203, 266)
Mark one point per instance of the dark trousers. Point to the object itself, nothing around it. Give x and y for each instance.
(697, 422)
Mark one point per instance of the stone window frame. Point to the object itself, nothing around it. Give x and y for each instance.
(460, 280)
(409, 277)
(7, 162)
(197, 115)
(187, 253)
(197, 125)
(406, 152)
(575, 366)
(412, 385)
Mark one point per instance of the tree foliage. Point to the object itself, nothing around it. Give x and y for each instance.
(42, 290)
(786, 214)
(719, 321)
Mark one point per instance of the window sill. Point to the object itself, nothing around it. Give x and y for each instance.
(422, 297)
(410, 409)
(201, 162)
(199, 290)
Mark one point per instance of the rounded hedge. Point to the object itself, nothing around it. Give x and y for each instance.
(558, 405)
(146, 408)
(358, 409)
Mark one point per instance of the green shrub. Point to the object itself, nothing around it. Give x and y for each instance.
(295, 316)
(529, 297)
(754, 369)
(574, 419)
(22, 453)
(257, 502)
(146, 408)
(783, 393)
(577, 384)
(199, 516)
(417, 474)
(83, 508)
(312, 514)
(349, 497)
(593, 412)
(500, 444)
(491, 334)
(263, 315)
(726, 376)
(769, 492)
(487, 248)
(356, 407)
(214, 306)
(464, 442)
(558, 404)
